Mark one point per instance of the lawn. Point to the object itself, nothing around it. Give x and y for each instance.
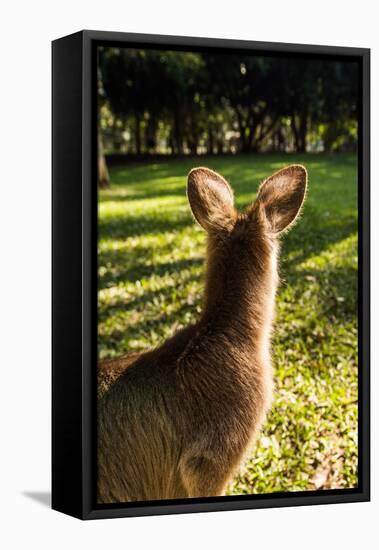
(150, 284)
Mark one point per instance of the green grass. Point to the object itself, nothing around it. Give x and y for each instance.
(150, 284)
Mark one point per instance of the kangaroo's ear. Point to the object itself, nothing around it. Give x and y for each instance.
(211, 200)
(282, 196)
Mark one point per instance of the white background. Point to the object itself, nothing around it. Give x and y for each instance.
(26, 31)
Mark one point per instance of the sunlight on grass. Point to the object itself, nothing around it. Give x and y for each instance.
(150, 283)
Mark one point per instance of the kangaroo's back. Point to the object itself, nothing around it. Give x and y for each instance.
(177, 421)
(139, 428)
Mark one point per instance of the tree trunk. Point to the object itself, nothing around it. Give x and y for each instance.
(244, 138)
(251, 126)
(103, 174)
(262, 131)
(138, 133)
(300, 131)
(294, 131)
(193, 137)
(219, 145)
(178, 133)
(210, 140)
(303, 133)
(150, 134)
(280, 140)
(242, 130)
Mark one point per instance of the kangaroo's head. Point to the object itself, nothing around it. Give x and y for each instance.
(242, 244)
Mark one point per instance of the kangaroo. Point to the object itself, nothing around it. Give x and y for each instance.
(177, 421)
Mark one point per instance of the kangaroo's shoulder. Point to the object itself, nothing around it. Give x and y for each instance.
(109, 370)
(146, 365)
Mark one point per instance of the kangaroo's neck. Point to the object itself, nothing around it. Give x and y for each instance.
(240, 292)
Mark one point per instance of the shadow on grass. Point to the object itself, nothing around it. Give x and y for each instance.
(158, 325)
(309, 238)
(245, 173)
(337, 291)
(140, 270)
(329, 218)
(134, 226)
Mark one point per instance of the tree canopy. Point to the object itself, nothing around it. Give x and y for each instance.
(175, 102)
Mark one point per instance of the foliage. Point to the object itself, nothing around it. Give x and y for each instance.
(187, 102)
(150, 280)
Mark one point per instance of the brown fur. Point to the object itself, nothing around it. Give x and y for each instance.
(177, 421)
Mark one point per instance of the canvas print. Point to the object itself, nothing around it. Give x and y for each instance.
(227, 322)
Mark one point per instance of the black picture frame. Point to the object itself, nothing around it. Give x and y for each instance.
(74, 294)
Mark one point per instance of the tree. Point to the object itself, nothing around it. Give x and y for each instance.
(103, 174)
(219, 102)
